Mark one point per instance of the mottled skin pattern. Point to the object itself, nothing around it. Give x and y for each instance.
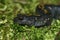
(37, 21)
(47, 13)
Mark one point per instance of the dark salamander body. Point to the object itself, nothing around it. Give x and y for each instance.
(46, 16)
(37, 21)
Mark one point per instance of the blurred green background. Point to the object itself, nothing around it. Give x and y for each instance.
(10, 31)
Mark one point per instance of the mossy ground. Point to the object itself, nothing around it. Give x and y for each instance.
(10, 31)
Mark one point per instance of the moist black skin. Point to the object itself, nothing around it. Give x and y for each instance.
(37, 21)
